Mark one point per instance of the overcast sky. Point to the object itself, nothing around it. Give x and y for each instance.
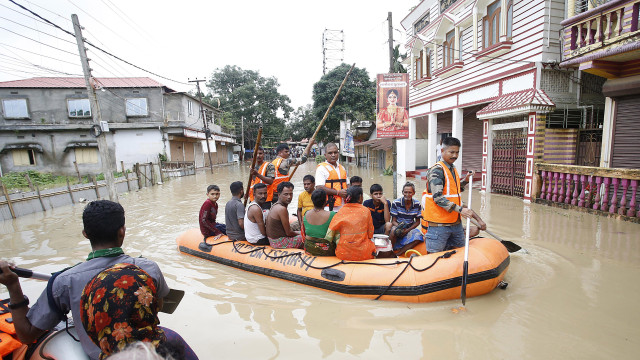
(190, 39)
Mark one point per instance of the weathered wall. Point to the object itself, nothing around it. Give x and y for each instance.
(137, 146)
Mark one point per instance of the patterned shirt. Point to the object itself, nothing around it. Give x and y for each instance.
(435, 185)
(400, 212)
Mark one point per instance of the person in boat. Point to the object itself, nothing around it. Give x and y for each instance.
(442, 205)
(380, 209)
(234, 212)
(304, 199)
(355, 181)
(316, 223)
(352, 229)
(208, 214)
(119, 306)
(255, 217)
(138, 351)
(282, 163)
(332, 178)
(104, 226)
(263, 173)
(405, 218)
(278, 227)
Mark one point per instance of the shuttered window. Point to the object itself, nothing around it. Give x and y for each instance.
(626, 134)
(86, 155)
(24, 157)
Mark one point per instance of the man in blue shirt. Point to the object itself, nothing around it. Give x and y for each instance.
(405, 214)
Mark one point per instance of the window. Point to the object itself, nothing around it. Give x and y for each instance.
(15, 109)
(137, 107)
(460, 45)
(190, 107)
(79, 108)
(491, 27)
(418, 64)
(24, 157)
(509, 19)
(448, 48)
(86, 155)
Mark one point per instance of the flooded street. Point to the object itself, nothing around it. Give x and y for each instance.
(573, 295)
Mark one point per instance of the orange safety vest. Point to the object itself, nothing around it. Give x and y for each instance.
(279, 178)
(256, 180)
(337, 179)
(424, 224)
(434, 213)
(8, 341)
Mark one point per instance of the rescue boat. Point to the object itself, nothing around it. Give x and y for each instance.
(420, 279)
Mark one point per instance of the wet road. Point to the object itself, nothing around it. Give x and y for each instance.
(574, 295)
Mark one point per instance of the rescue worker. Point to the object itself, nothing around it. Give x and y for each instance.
(263, 173)
(332, 178)
(282, 163)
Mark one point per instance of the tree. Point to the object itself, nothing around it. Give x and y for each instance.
(397, 59)
(244, 94)
(357, 98)
(301, 124)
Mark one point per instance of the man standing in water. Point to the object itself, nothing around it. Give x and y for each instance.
(282, 164)
(332, 178)
(263, 173)
(442, 202)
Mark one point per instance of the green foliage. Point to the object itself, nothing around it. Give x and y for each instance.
(162, 157)
(357, 98)
(245, 94)
(397, 59)
(388, 171)
(18, 180)
(320, 158)
(301, 125)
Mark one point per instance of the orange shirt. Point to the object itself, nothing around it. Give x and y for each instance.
(352, 229)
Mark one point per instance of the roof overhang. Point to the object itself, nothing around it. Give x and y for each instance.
(518, 103)
(23, 146)
(81, 144)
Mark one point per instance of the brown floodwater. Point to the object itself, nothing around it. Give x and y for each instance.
(573, 295)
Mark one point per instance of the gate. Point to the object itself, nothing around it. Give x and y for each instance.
(509, 162)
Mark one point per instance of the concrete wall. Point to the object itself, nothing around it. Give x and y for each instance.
(137, 146)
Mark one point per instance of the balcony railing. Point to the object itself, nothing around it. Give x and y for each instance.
(612, 192)
(612, 24)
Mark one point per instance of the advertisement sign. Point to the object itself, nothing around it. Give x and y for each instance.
(392, 106)
(347, 148)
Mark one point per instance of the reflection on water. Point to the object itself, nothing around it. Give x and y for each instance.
(573, 293)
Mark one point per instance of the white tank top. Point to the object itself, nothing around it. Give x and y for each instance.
(251, 230)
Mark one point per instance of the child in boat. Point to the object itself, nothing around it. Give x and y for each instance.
(380, 209)
(208, 213)
(352, 229)
(316, 224)
(405, 215)
(304, 200)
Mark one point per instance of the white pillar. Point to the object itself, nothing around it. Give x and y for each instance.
(456, 44)
(475, 29)
(607, 133)
(456, 131)
(406, 155)
(432, 139)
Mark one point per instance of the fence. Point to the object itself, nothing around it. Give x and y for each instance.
(604, 191)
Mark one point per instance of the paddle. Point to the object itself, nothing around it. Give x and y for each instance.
(465, 266)
(169, 303)
(511, 246)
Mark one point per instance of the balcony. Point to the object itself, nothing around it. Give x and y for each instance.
(449, 70)
(604, 41)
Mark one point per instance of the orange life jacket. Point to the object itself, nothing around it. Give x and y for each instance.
(256, 180)
(434, 213)
(424, 224)
(337, 179)
(8, 342)
(279, 177)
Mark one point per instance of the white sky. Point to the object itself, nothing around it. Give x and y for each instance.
(190, 39)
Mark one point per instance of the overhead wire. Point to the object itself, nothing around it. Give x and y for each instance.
(131, 22)
(101, 23)
(40, 31)
(39, 42)
(35, 53)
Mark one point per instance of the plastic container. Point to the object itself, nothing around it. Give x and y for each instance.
(382, 242)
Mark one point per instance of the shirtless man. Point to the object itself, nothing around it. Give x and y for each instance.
(278, 227)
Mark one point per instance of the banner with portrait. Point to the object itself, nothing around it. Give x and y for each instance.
(392, 106)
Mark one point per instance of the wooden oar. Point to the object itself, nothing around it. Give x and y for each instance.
(511, 246)
(326, 113)
(169, 302)
(253, 163)
(465, 266)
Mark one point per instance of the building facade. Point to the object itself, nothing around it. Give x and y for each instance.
(46, 125)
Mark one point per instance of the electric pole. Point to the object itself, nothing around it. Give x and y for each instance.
(103, 148)
(207, 133)
(394, 147)
(242, 131)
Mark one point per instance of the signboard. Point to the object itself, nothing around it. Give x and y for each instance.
(348, 148)
(392, 106)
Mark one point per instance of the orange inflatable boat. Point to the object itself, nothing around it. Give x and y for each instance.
(426, 278)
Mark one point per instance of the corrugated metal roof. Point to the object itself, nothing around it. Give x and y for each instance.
(521, 102)
(78, 82)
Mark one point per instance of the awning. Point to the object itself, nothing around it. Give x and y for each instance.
(517, 103)
(24, 146)
(377, 144)
(81, 144)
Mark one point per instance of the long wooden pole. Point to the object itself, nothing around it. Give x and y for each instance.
(253, 163)
(326, 114)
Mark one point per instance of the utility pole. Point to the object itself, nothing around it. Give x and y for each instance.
(394, 147)
(242, 131)
(103, 148)
(207, 133)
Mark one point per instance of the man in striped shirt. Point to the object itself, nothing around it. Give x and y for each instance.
(405, 217)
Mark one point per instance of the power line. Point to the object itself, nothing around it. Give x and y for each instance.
(39, 42)
(32, 52)
(45, 9)
(131, 22)
(40, 31)
(101, 23)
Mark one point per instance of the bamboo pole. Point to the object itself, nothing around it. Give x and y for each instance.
(77, 171)
(153, 175)
(313, 138)
(69, 188)
(139, 178)
(29, 181)
(160, 170)
(6, 195)
(95, 185)
(40, 198)
(253, 163)
(126, 176)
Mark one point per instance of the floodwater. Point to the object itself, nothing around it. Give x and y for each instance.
(573, 295)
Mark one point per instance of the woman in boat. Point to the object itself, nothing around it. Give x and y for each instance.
(352, 229)
(119, 306)
(316, 223)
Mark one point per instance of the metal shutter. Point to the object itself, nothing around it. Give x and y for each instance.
(626, 135)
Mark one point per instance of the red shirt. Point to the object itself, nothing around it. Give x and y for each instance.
(207, 218)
